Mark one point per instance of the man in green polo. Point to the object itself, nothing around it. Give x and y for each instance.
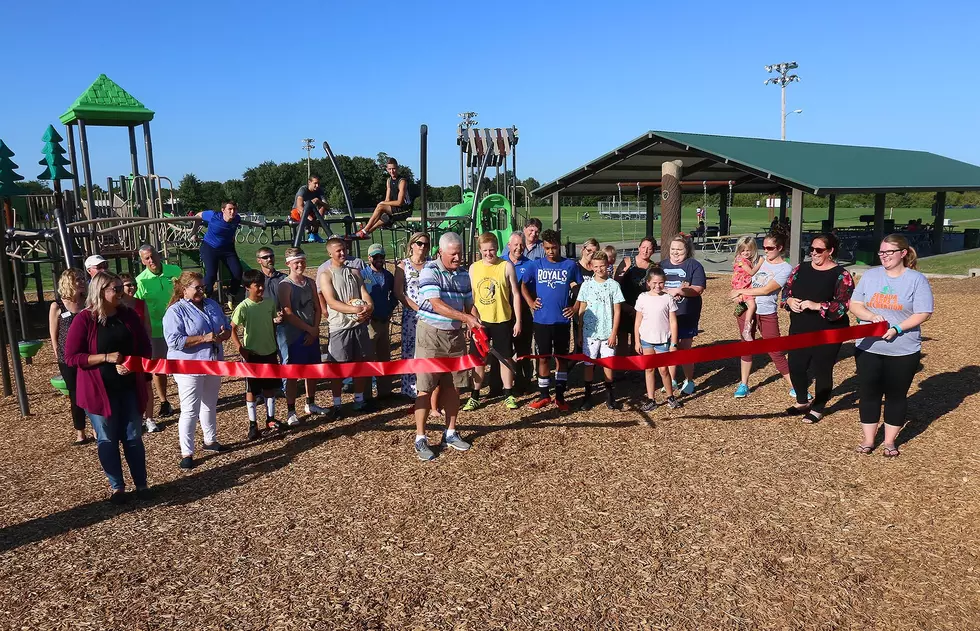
(155, 286)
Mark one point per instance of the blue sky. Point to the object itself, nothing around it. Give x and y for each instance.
(237, 83)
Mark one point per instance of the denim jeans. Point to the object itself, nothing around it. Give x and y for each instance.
(125, 425)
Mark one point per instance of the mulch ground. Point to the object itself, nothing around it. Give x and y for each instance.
(721, 515)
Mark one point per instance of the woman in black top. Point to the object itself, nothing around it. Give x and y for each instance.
(817, 296)
(631, 275)
(72, 285)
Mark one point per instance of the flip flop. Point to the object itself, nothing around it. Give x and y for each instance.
(84, 441)
(890, 452)
(795, 411)
(861, 449)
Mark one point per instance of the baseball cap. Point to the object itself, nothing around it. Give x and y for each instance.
(375, 249)
(94, 261)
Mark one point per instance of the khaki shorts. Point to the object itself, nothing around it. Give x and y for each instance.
(431, 342)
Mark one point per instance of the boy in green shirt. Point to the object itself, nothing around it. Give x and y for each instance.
(257, 319)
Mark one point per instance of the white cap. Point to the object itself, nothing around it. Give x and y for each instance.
(94, 261)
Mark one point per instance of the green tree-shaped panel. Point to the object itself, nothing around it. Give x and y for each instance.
(54, 159)
(9, 177)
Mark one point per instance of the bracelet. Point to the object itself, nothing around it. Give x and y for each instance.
(673, 345)
(897, 328)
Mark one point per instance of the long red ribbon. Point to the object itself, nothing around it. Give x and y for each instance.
(453, 364)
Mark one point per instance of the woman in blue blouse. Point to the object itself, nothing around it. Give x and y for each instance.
(195, 327)
(219, 245)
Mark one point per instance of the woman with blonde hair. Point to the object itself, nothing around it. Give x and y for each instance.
(899, 295)
(589, 247)
(69, 300)
(407, 274)
(100, 337)
(196, 327)
(686, 282)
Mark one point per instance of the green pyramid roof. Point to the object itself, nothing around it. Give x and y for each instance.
(105, 103)
(51, 135)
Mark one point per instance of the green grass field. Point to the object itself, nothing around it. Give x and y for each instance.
(952, 264)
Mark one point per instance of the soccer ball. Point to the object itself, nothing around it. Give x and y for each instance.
(354, 302)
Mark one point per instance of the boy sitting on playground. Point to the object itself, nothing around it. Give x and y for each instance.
(397, 198)
(256, 317)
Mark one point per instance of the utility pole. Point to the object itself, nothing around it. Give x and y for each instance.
(782, 80)
(308, 145)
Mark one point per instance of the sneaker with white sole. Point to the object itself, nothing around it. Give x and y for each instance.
(315, 410)
(674, 384)
(688, 387)
(422, 450)
(151, 426)
(792, 394)
(455, 442)
(293, 420)
(741, 391)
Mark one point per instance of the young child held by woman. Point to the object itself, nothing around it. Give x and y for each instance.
(746, 263)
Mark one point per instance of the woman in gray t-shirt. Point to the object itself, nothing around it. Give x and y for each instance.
(766, 285)
(897, 294)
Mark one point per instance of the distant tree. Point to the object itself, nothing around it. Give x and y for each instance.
(190, 194)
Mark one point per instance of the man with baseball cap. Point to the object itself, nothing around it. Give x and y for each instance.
(349, 308)
(95, 264)
(380, 283)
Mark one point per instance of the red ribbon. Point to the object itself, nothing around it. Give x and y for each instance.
(453, 364)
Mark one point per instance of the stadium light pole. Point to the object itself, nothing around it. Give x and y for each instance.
(308, 145)
(782, 80)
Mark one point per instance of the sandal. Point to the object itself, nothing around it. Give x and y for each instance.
(812, 417)
(890, 452)
(796, 411)
(862, 449)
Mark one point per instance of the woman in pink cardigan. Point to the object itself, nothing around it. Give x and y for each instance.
(100, 337)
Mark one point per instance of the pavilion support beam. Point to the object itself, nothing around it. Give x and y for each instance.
(651, 210)
(879, 232)
(796, 228)
(670, 208)
(831, 209)
(782, 205)
(723, 220)
(937, 224)
(86, 171)
(556, 212)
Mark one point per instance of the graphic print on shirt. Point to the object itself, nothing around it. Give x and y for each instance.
(486, 291)
(676, 277)
(761, 279)
(885, 299)
(552, 277)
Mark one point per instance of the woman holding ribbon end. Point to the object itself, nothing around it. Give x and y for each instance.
(899, 295)
(195, 327)
(816, 295)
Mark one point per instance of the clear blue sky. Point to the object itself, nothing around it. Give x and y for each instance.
(237, 83)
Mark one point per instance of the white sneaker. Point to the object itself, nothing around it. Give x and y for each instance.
(151, 426)
(313, 408)
(292, 421)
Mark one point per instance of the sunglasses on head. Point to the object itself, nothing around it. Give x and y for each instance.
(816, 250)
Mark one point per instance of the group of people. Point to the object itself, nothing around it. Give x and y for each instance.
(594, 305)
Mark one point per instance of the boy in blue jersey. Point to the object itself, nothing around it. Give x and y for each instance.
(551, 278)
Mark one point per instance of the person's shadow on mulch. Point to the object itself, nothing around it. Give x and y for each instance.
(937, 395)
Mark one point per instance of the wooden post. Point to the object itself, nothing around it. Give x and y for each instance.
(937, 223)
(879, 232)
(782, 205)
(723, 214)
(796, 229)
(670, 208)
(556, 212)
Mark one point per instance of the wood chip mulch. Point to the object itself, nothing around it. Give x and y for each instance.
(721, 515)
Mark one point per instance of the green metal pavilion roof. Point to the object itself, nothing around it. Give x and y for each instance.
(105, 103)
(766, 166)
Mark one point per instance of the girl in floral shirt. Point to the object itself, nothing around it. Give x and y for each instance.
(817, 296)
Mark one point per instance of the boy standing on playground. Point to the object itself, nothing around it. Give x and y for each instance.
(256, 317)
(598, 307)
(396, 198)
(552, 278)
(301, 316)
(349, 308)
(309, 202)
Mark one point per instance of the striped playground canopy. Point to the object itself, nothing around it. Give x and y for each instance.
(476, 143)
(756, 165)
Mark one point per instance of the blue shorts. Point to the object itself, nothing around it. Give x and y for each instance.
(687, 327)
(300, 353)
(660, 348)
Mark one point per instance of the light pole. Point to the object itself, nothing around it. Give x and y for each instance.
(469, 120)
(308, 145)
(782, 80)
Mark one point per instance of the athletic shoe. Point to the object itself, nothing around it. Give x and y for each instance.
(316, 410)
(649, 406)
(422, 450)
(274, 424)
(187, 462)
(455, 442)
(253, 431)
(361, 406)
(472, 404)
(688, 387)
(315, 238)
(292, 421)
(118, 497)
(587, 404)
(511, 403)
(143, 494)
(165, 410)
(792, 394)
(741, 391)
(537, 404)
(562, 405)
(611, 405)
(673, 383)
(673, 403)
(215, 446)
(151, 426)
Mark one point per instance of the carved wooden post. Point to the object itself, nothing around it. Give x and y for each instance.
(670, 193)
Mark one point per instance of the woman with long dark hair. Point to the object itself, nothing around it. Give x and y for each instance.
(899, 295)
(631, 274)
(70, 299)
(816, 295)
